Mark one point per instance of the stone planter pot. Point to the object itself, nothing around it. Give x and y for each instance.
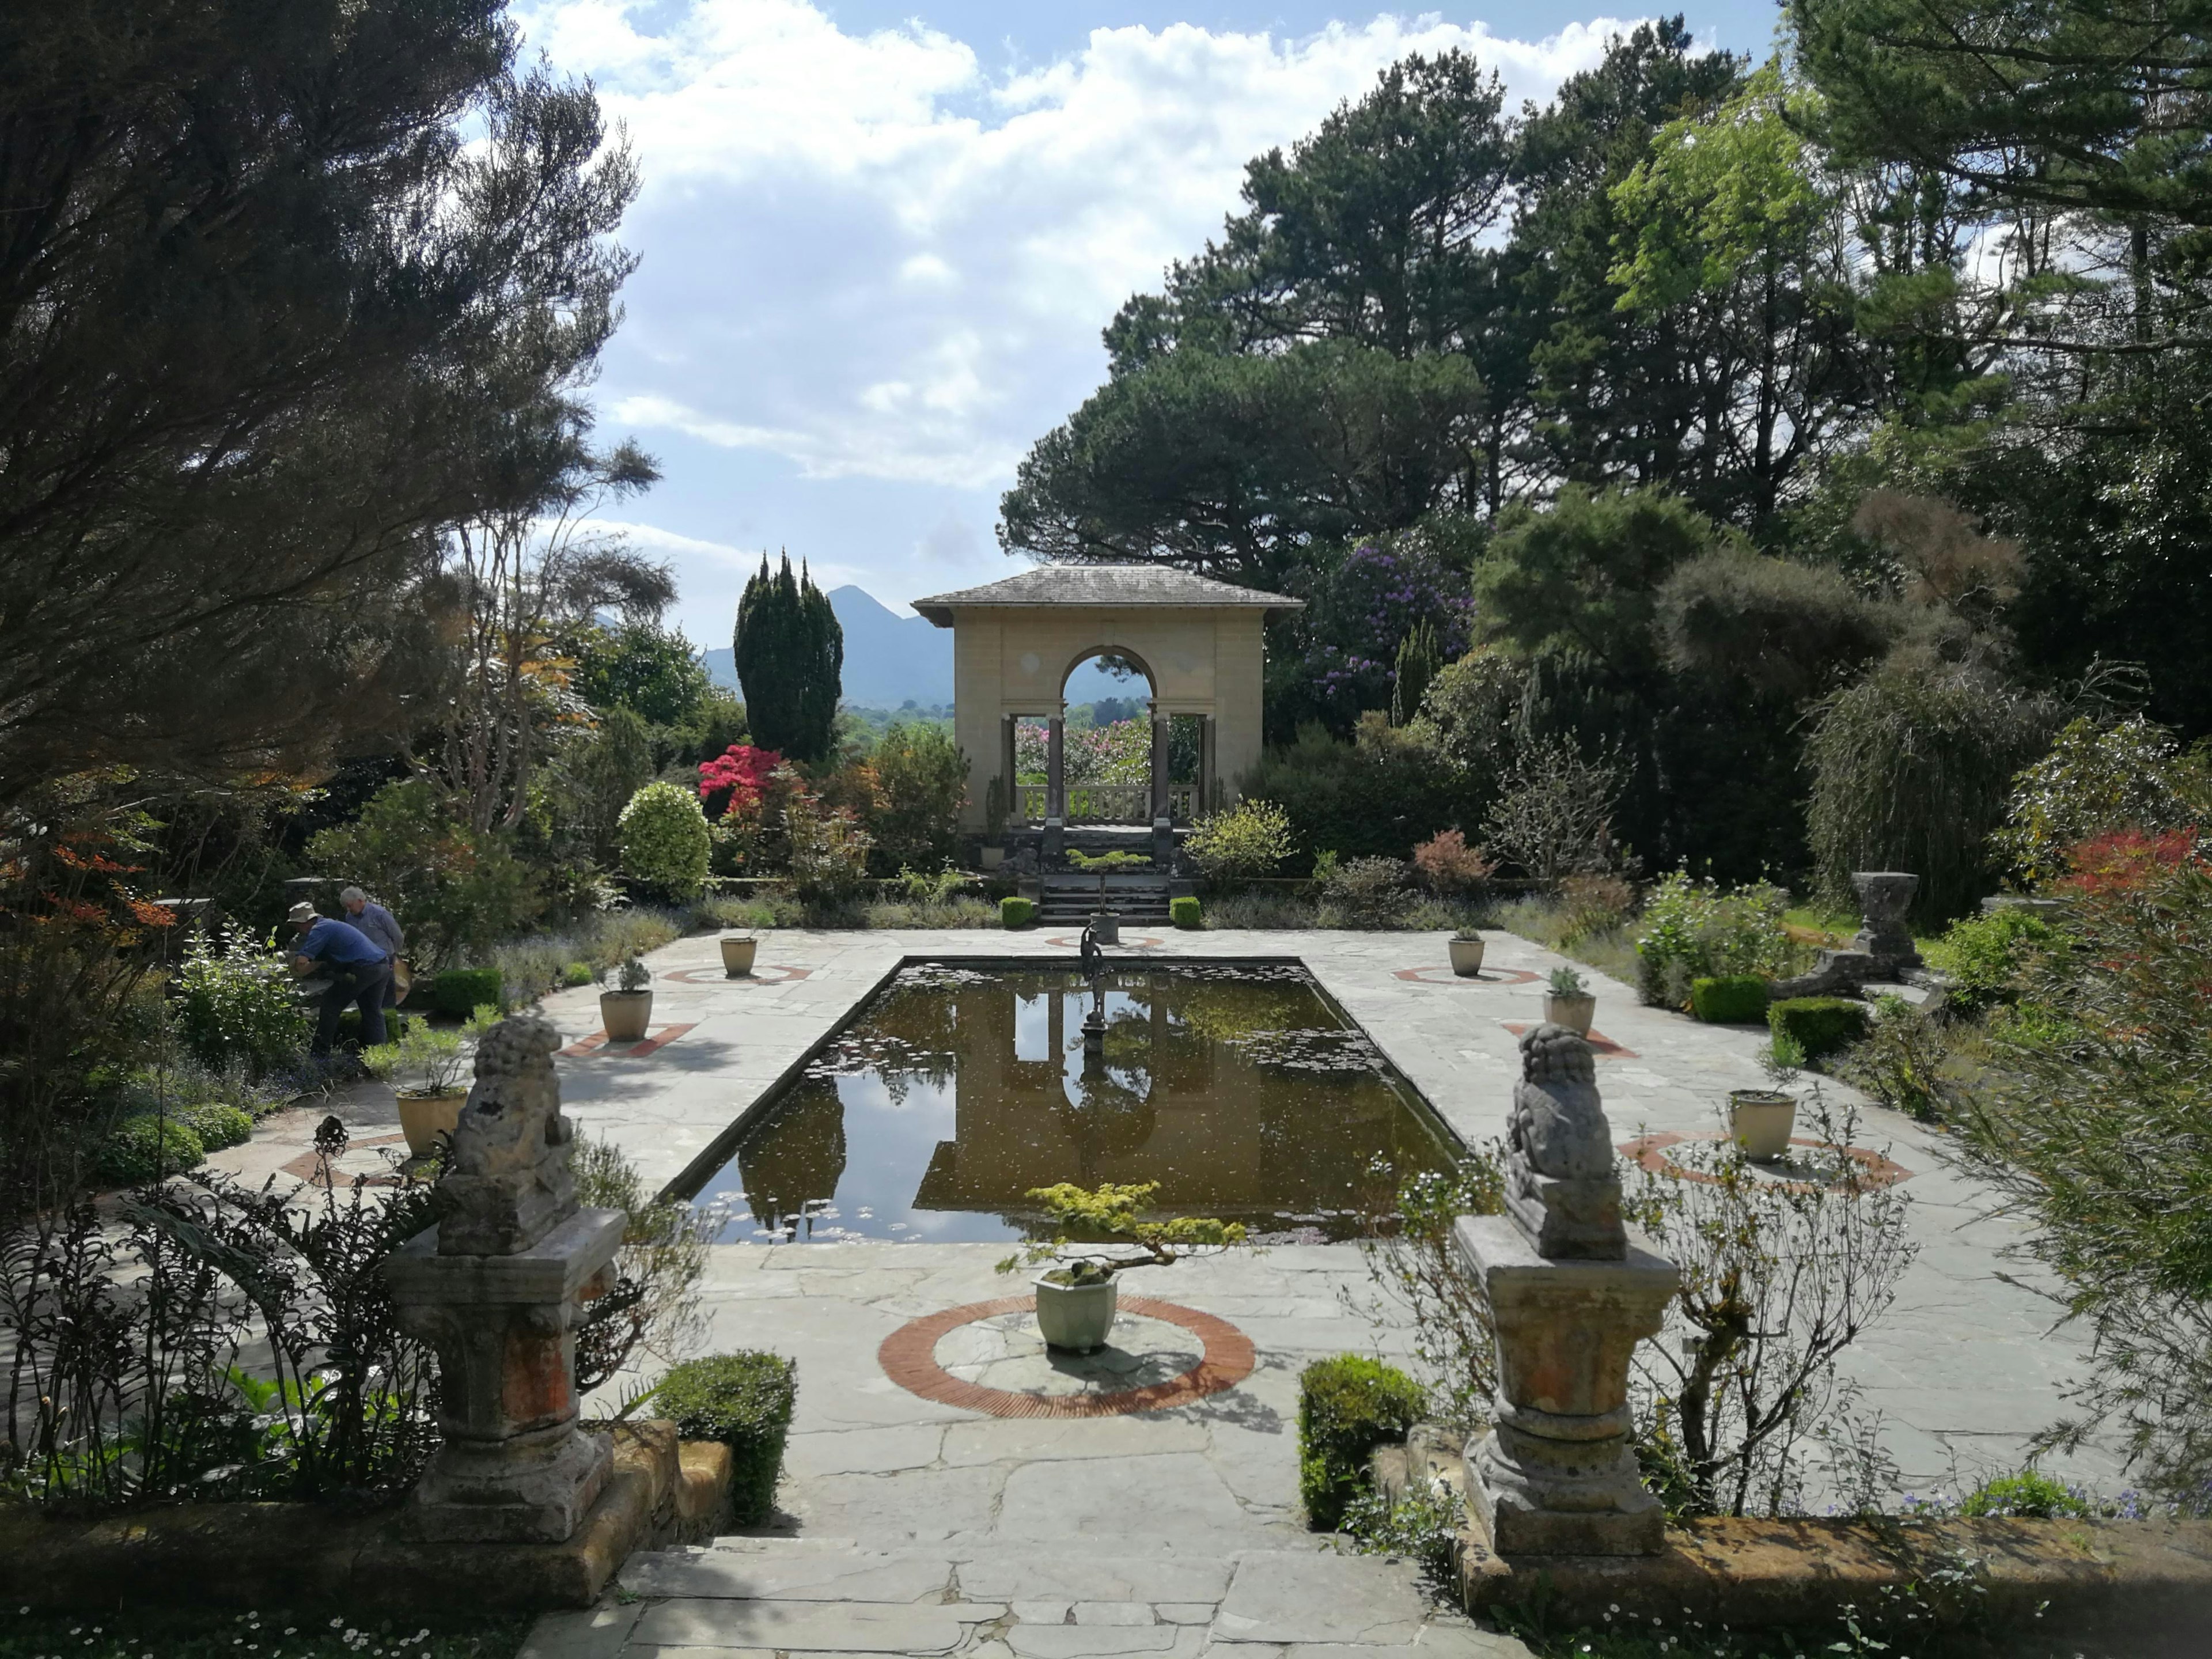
(1466, 955)
(424, 1117)
(738, 956)
(624, 1014)
(1076, 1318)
(1573, 1013)
(1759, 1121)
(1106, 926)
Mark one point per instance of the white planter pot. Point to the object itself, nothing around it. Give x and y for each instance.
(1076, 1318)
(624, 1014)
(1759, 1121)
(738, 956)
(1573, 1013)
(423, 1118)
(1465, 957)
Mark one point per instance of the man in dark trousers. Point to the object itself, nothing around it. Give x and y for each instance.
(358, 972)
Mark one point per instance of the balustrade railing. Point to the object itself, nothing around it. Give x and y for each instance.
(1107, 803)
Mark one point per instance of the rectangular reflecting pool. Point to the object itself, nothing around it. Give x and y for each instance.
(1241, 1088)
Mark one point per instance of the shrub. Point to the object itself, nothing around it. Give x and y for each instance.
(744, 1401)
(1900, 1062)
(1347, 1407)
(1983, 956)
(829, 850)
(1252, 838)
(1447, 865)
(1593, 904)
(1185, 912)
(921, 778)
(665, 844)
(2129, 776)
(218, 1126)
(2030, 1494)
(1819, 1026)
(1375, 796)
(1734, 999)
(654, 1304)
(1015, 912)
(1553, 815)
(141, 1150)
(238, 1007)
(1699, 929)
(460, 992)
(1364, 893)
(456, 890)
(576, 974)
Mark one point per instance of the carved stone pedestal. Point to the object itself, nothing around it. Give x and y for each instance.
(1557, 1474)
(514, 1467)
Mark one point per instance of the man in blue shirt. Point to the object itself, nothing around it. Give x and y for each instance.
(357, 970)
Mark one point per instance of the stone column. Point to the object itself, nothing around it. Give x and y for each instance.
(498, 1288)
(1055, 785)
(1570, 1297)
(1163, 827)
(1009, 769)
(1206, 764)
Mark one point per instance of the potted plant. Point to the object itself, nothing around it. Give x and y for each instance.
(1569, 1002)
(624, 1010)
(1466, 948)
(1761, 1120)
(738, 952)
(427, 1067)
(1076, 1297)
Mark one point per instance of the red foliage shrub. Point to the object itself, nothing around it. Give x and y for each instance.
(737, 777)
(2126, 859)
(1446, 864)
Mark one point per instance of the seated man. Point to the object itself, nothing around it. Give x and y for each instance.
(357, 970)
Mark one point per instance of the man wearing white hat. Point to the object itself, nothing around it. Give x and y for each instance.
(383, 929)
(357, 972)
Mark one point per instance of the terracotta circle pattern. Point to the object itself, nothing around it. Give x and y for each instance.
(767, 973)
(1651, 1152)
(1441, 975)
(909, 1358)
(1070, 941)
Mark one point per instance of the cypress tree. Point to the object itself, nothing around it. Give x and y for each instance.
(790, 651)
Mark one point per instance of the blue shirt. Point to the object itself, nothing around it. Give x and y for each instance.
(381, 926)
(339, 944)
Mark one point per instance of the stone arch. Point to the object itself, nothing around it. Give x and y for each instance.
(1092, 652)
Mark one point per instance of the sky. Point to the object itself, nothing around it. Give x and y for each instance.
(878, 240)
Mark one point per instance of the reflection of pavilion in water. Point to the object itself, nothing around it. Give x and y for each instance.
(1179, 1096)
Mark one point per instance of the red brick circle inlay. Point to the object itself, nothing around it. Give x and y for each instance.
(1134, 942)
(908, 1357)
(1443, 974)
(1651, 1152)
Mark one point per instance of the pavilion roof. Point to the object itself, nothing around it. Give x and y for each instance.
(1105, 586)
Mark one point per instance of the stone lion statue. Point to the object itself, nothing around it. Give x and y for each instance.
(509, 1182)
(1560, 1181)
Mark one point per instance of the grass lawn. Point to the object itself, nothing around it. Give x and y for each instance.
(203, 1633)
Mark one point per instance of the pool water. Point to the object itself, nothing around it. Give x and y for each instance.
(1242, 1090)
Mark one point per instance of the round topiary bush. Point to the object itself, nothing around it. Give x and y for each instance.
(743, 1399)
(140, 1149)
(217, 1126)
(1347, 1407)
(666, 844)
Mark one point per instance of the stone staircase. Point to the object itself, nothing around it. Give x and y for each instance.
(1095, 1597)
(1067, 898)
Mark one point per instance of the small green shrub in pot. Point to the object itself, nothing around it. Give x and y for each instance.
(744, 1400)
(1186, 912)
(1015, 912)
(1818, 1026)
(140, 1149)
(1730, 1000)
(460, 992)
(1347, 1407)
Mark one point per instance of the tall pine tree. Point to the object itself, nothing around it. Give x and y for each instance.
(790, 653)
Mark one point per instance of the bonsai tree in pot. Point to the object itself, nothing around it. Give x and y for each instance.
(1569, 1002)
(1466, 948)
(625, 1010)
(427, 1069)
(1076, 1297)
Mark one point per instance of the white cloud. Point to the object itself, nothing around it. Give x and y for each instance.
(874, 258)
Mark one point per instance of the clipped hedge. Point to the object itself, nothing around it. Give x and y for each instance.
(743, 1399)
(1015, 912)
(1729, 999)
(1347, 1407)
(218, 1126)
(1820, 1026)
(140, 1149)
(1185, 913)
(459, 991)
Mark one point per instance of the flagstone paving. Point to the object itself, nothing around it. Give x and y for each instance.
(916, 1526)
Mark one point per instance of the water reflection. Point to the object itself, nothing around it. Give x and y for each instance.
(1239, 1091)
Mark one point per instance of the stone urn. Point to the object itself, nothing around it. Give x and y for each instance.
(1106, 926)
(737, 955)
(1074, 1317)
(1575, 1012)
(424, 1116)
(1884, 897)
(624, 1014)
(1759, 1121)
(1466, 955)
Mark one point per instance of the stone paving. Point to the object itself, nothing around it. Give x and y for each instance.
(916, 1526)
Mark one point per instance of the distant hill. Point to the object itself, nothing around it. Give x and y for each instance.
(890, 660)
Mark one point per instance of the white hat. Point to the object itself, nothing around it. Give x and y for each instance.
(304, 911)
